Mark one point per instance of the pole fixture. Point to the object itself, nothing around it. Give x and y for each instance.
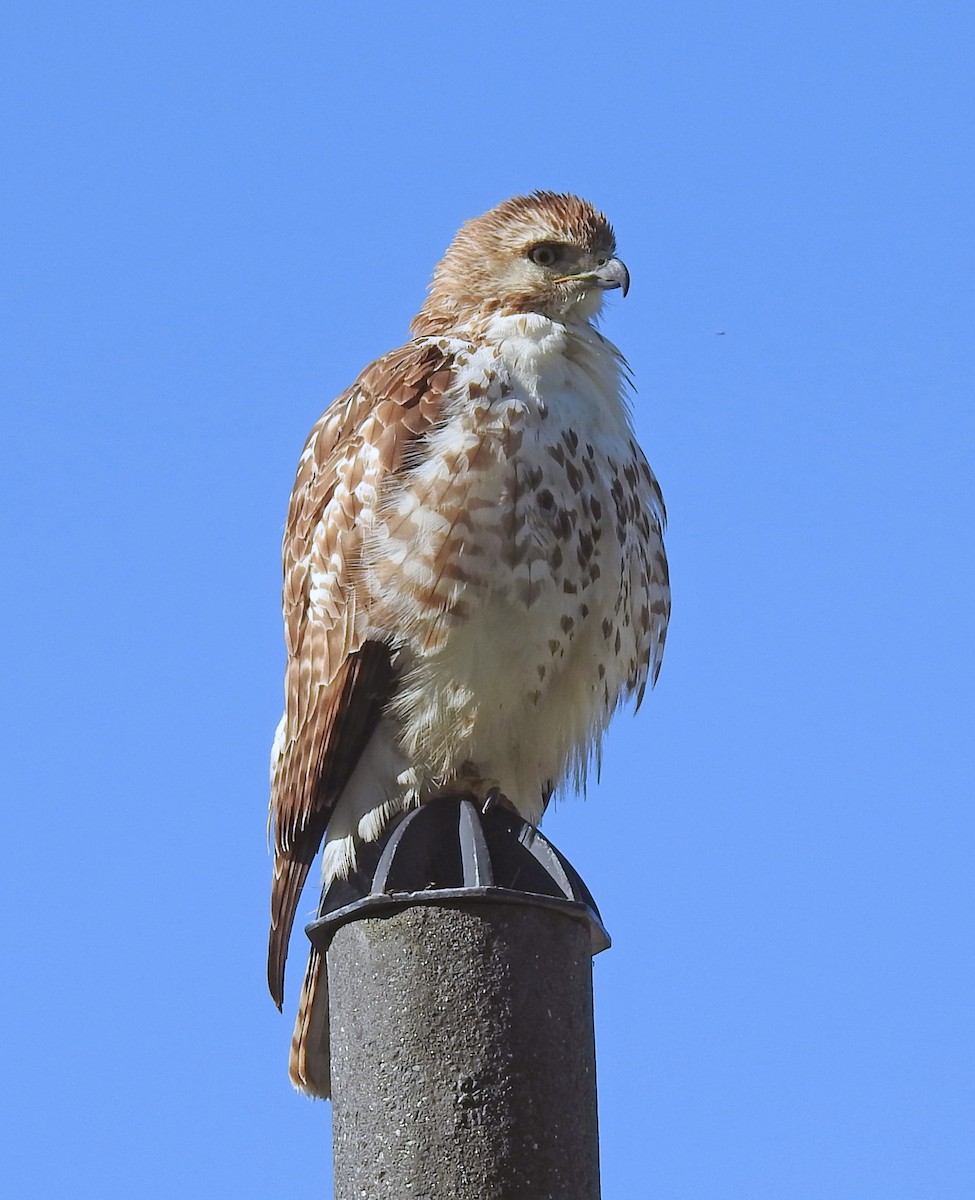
(460, 984)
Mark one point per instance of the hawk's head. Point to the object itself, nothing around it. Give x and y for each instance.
(545, 253)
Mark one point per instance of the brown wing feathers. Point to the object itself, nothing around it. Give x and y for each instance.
(335, 687)
(354, 706)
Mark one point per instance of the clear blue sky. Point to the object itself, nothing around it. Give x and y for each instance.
(214, 214)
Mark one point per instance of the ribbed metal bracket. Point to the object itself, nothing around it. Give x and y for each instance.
(449, 852)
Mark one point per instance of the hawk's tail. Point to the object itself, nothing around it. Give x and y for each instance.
(309, 1065)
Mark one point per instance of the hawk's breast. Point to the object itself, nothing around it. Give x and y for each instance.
(516, 554)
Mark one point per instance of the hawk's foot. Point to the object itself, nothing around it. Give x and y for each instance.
(486, 793)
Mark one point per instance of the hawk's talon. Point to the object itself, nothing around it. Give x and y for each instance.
(494, 797)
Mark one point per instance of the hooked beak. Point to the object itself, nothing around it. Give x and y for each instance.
(612, 274)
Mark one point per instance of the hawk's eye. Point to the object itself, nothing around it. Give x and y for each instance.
(544, 255)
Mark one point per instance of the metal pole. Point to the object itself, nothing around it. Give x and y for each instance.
(463, 1064)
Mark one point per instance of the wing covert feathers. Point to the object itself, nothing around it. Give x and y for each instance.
(336, 683)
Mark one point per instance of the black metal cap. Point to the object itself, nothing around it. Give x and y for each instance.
(447, 851)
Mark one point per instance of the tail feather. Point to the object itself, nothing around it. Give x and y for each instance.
(310, 1064)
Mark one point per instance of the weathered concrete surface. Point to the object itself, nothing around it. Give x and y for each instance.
(462, 1056)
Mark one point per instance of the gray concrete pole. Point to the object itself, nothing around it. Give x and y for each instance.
(463, 1062)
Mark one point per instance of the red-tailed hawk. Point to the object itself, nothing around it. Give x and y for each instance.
(474, 571)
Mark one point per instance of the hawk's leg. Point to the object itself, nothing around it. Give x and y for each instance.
(469, 783)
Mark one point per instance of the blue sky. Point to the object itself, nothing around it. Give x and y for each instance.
(214, 215)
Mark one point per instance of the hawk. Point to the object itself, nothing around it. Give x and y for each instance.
(474, 570)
